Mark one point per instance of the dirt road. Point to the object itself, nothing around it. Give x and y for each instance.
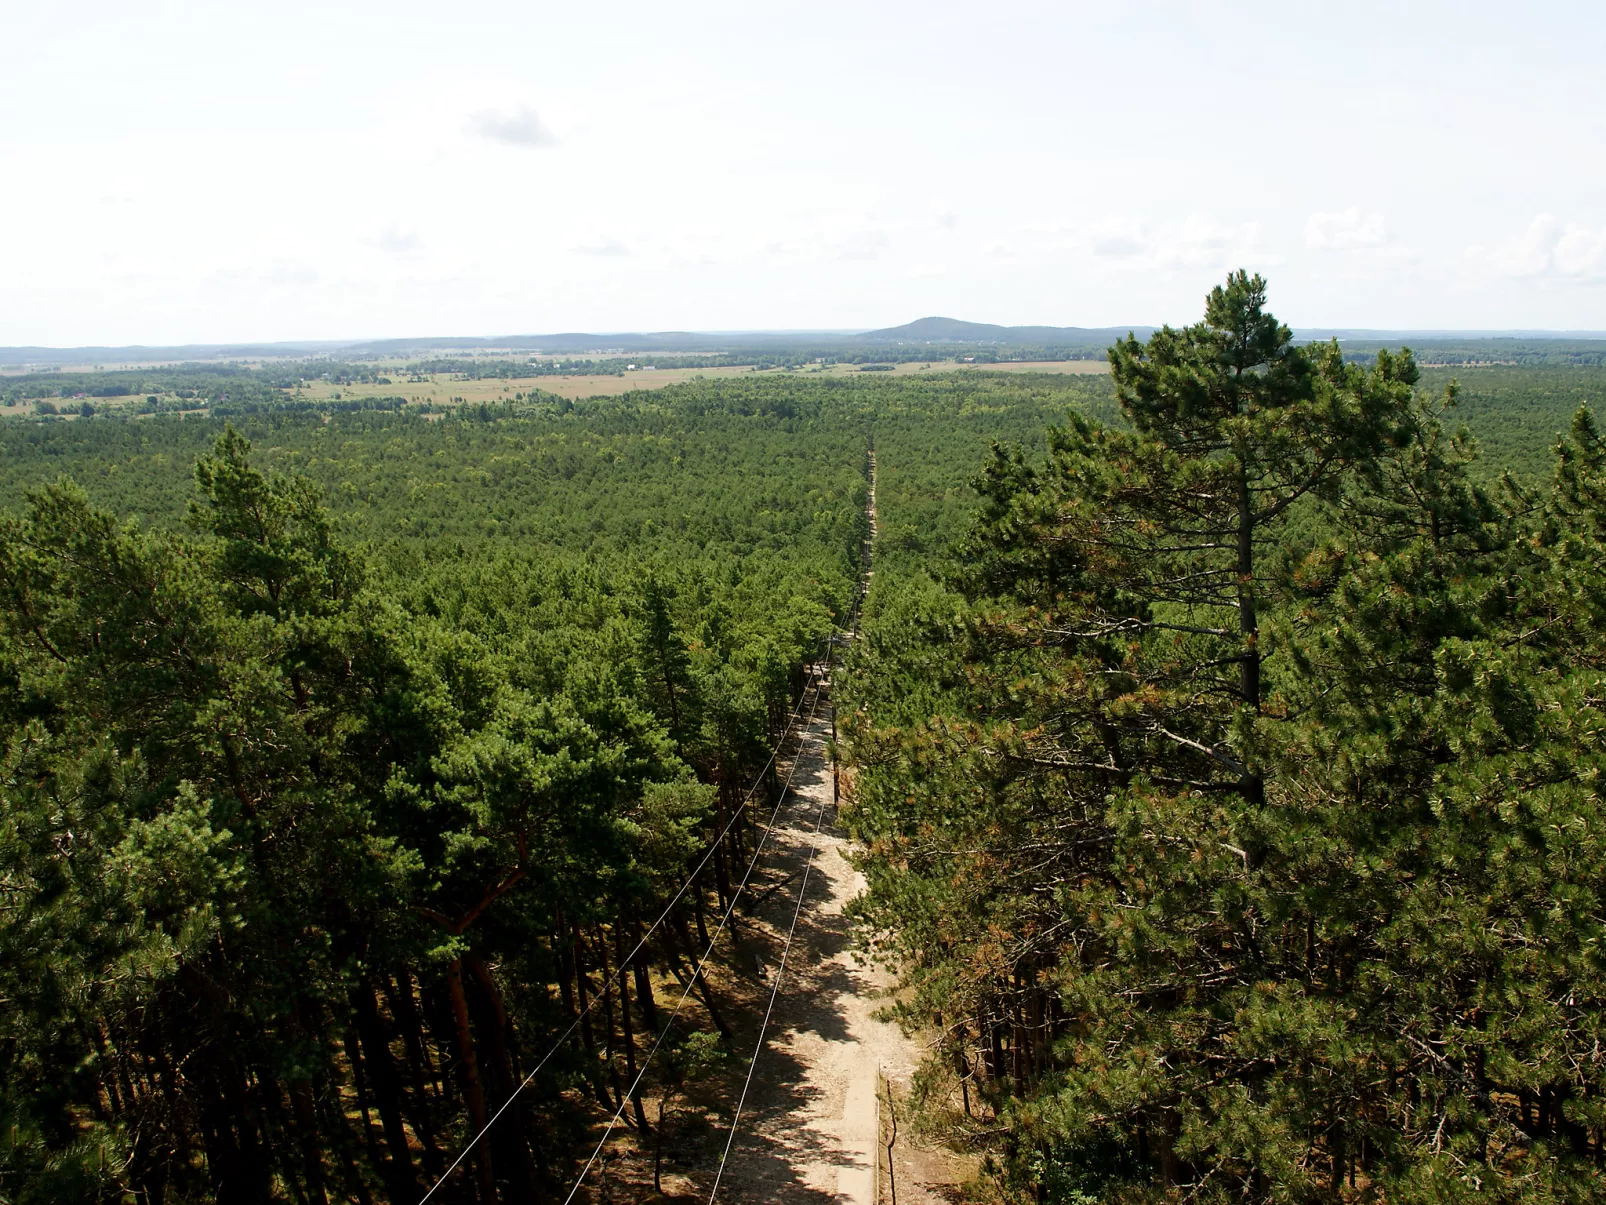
(808, 1131)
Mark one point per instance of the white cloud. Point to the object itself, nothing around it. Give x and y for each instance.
(1550, 250)
(1193, 243)
(859, 244)
(1203, 243)
(1118, 240)
(605, 248)
(278, 272)
(1345, 230)
(519, 126)
(824, 236)
(399, 242)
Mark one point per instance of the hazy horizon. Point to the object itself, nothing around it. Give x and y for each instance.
(491, 341)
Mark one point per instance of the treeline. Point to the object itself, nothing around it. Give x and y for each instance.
(267, 385)
(514, 369)
(201, 384)
(521, 369)
(1232, 808)
(1529, 353)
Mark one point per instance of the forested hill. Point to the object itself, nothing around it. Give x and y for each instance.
(953, 330)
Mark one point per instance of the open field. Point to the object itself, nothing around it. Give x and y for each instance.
(443, 389)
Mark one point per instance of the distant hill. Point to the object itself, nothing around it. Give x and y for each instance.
(574, 342)
(142, 354)
(954, 330)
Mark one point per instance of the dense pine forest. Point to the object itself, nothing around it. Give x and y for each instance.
(1222, 742)
(1230, 796)
(348, 756)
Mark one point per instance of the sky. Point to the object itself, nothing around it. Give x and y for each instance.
(181, 172)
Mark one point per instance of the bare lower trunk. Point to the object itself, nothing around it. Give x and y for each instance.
(1253, 786)
(386, 1087)
(473, 1093)
(307, 1131)
(512, 1147)
(627, 1027)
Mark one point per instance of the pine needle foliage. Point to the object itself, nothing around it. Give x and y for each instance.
(1245, 841)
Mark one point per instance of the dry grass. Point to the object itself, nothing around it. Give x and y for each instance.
(443, 389)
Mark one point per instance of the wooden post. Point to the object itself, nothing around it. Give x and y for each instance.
(875, 1176)
(892, 1141)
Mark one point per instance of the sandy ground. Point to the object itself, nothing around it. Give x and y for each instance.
(813, 1123)
(808, 1131)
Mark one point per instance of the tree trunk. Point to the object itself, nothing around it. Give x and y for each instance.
(1336, 1143)
(509, 1138)
(629, 1033)
(583, 998)
(359, 1082)
(1253, 786)
(704, 992)
(419, 1070)
(340, 1138)
(400, 1180)
(607, 1016)
(658, 1146)
(307, 1132)
(643, 972)
(472, 1092)
(697, 909)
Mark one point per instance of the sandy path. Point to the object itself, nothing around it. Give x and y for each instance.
(809, 1128)
(808, 1131)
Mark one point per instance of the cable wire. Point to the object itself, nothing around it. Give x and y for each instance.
(624, 963)
(797, 911)
(786, 950)
(701, 962)
(775, 988)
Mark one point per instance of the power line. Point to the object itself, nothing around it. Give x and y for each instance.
(653, 928)
(791, 931)
(701, 962)
(709, 853)
(769, 1009)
